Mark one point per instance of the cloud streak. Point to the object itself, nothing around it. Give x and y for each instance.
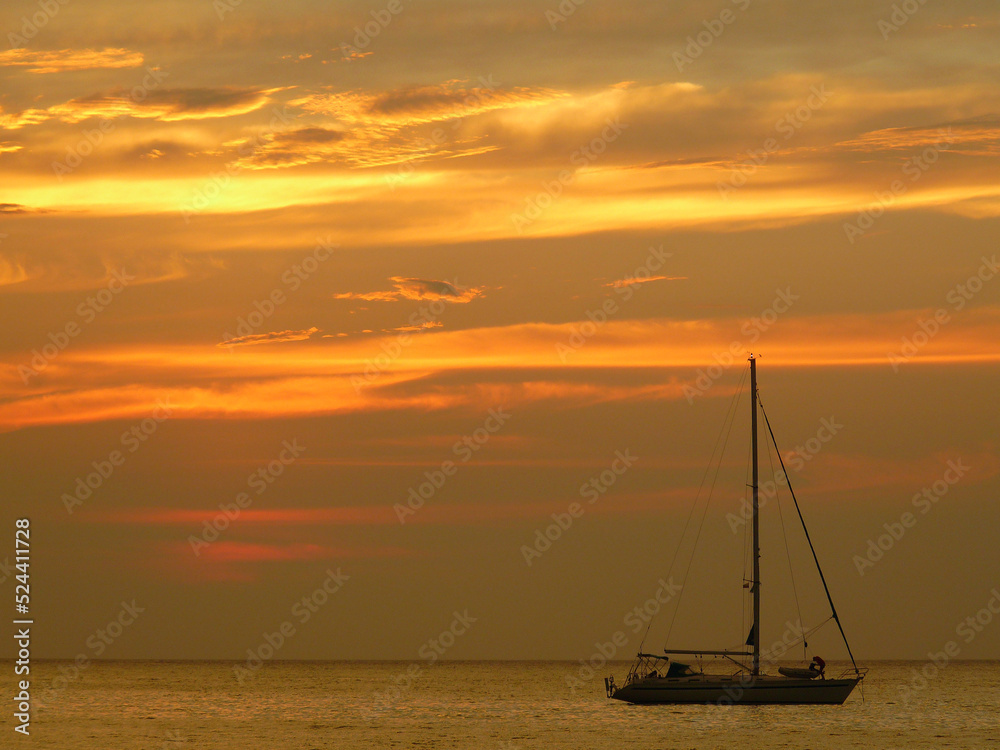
(378, 128)
(58, 61)
(633, 280)
(274, 337)
(164, 105)
(417, 289)
(318, 379)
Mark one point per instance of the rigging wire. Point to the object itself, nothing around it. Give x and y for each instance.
(784, 536)
(822, 578)
(775, 653)
(687, 522)
(694, 505)
(730, 419)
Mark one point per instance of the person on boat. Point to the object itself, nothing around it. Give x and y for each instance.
(817, 665)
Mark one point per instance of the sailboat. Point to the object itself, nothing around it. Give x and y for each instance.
(659, 678)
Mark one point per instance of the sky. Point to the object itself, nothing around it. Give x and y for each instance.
(375, 295)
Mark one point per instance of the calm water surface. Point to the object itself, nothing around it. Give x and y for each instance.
(501, 705)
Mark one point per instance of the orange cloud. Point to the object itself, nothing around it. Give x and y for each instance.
(417, 289)
(22, 119)
(413, 105)
(269, 338)
(165, 105)
(367, 129)
(983, 132)
(57, 61)
(631, 281)
(354, 374)
(539, 131)
(426, 325)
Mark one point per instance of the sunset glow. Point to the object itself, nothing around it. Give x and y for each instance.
(237, 226)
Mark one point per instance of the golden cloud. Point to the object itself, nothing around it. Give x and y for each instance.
(274, 337)
(367, 129)
(165, 105)
(633, 280)
(418, 289)
(22, 119)
(984, 131)
(57, 61)
(412, 105)
(332, 376)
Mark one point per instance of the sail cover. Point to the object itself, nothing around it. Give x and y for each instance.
(677, 669)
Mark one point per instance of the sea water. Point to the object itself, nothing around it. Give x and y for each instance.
(149, 705)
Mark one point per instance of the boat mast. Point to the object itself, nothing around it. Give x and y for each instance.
(755, 631)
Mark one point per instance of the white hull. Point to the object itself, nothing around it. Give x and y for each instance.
(729, 690)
